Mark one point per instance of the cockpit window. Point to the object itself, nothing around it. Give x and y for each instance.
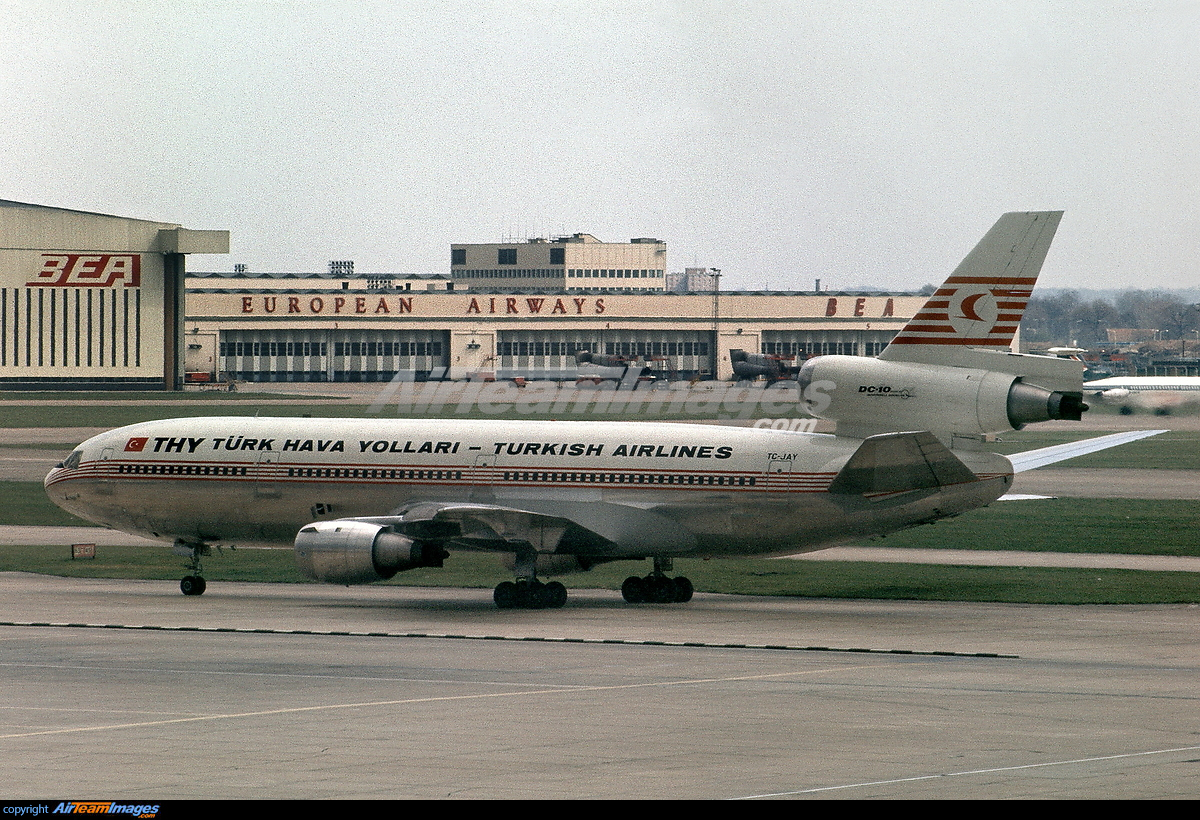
(72, 461)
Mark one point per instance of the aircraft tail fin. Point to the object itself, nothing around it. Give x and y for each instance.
(981, 304)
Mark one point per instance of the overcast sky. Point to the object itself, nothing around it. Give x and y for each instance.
(868, 144)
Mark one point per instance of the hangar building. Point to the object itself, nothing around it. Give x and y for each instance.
(91, 300)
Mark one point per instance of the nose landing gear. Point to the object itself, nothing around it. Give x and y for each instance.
(193, 584)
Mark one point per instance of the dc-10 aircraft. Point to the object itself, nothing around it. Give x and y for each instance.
(1158, 394)
(363, 499)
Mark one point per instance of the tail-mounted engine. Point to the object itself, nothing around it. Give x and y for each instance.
(866, 396)
(358, 552)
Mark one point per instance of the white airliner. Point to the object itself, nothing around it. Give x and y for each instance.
(1157, 394)
(363, 499)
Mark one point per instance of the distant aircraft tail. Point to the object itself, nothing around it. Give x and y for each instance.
(981, 304)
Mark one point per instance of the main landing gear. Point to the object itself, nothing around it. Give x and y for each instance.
(657, 588)
(527, 592)
(530, 594)
(193, 584)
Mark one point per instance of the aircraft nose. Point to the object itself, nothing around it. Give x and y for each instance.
(55, 471)
(62, 467)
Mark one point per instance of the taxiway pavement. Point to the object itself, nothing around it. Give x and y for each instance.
(127, 689)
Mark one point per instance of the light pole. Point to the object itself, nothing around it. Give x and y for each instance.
(715, 273)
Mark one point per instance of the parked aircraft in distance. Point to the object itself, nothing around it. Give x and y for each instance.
(363, 499)
(1160, 395)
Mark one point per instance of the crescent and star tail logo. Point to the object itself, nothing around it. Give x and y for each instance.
(970, 311)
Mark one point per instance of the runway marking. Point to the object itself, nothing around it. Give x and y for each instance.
(554, 690)
(229, 673)
(522, 639)
(968, 772)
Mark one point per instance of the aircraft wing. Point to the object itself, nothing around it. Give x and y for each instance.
(543, 524)
(1032, 459)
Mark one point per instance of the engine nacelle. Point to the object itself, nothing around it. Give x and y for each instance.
(358, 552)
(866, 395)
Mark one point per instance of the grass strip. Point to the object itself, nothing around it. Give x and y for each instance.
(782, 577)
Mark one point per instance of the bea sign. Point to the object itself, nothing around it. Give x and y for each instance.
(88, 270)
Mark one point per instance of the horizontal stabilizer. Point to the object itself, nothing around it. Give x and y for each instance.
(900, 462)
(1033, 459)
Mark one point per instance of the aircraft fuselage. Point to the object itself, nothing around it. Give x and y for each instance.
(723, 491)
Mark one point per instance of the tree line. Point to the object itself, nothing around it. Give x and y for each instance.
(1066, 319)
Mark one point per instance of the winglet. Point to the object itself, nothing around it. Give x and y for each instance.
(981, 304)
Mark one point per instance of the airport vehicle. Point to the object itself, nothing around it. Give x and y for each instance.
(363, 499)
(1157, 394)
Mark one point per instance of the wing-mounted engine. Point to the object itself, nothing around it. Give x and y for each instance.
(1003, 392)
(358, 552)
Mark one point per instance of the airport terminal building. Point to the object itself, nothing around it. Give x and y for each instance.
(515, 309)
(346, 331)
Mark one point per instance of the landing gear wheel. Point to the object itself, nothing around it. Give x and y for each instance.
(683, 590)
(192, 585)
(634, 590)
(505, 595)
(661, 590)
(555, 595)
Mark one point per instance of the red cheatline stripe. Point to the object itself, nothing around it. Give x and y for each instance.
(933, 340)
(929, 329)
(992, 280)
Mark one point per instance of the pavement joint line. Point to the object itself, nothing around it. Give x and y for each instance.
(527, 638)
